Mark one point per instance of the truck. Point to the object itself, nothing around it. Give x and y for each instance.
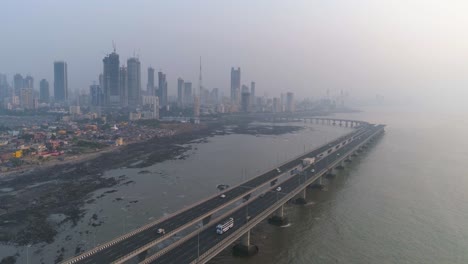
(224, 226)
(308, 161)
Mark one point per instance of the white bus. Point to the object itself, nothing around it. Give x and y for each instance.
(223, 227)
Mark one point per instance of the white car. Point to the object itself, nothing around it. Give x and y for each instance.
(223, 196)
(278, 189)
(161, 231)
(312, 170)
(278, 170)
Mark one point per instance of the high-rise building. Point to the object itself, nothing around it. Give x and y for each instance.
(28, 82)
(111, 79)
(153, 102)
(290, 107)
(235, 85)
(188, 93)
(44, 95)
(180, 92)
(276, 105)
(162, 91)
(60, 81)
(96, 95)
(27, 98)
(245, 101)
(150, 86)
(18, 84)
(252, 93)
(123, 83)
(4, 89)
(245, 89)
(214, 96)
(134, 81)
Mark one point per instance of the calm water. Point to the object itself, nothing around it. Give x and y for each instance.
(405, 201)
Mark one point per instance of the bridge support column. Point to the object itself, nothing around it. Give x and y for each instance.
(279, 219)
(348, 159)
(244, 248)
(301, 197)
(340, 165)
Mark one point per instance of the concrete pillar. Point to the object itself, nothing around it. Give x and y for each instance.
(301, 197)
(278, 218)
(280, 211)
(244, 248)
(245, 240)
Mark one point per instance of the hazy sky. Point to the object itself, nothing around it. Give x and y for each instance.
(397, 48)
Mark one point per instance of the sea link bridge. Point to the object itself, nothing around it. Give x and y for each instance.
(190, 235)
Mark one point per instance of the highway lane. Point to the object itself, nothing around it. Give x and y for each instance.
(119, 249)
(208, 238)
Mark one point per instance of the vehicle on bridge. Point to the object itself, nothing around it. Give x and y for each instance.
(278, 189)
(222, 228)
(307, 161)
(161, 231)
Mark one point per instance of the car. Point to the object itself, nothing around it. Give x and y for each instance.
(261, 195)
(223, 195)
(161, 231)
(312, 170)
(278, 189)
(278, 170)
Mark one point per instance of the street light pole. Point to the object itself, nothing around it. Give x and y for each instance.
(27, 253)
(198, 245)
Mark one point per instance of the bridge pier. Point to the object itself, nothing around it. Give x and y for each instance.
(279, 219)
(340, 165)
(244, 248)
(301, 197)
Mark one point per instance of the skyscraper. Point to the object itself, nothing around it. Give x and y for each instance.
(96, 95)
(188, 93)
(26, 98)
(4, 91)
(123, 77)
(28, 82)
(18, 84)
(134, 81)
(150, 86)
(60, 81)
(245, 101)
(252, 93)
(180, 92)
(235, 85)
(290, 107)
(162, 91)
(111, 79)
(44, 94)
